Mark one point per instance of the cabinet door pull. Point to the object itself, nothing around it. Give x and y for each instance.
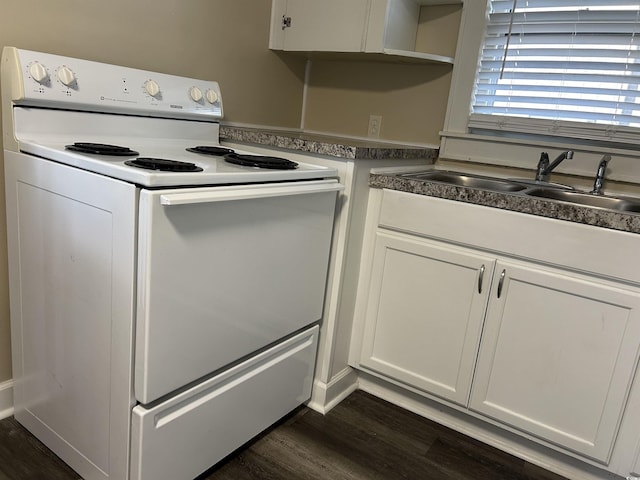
(480, 277)
(286, 22)
(501, 282)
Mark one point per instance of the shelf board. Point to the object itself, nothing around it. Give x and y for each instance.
(388, 55)
(417, 56)
(438, 2)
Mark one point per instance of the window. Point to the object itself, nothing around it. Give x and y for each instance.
(561, 61)
(551, 75)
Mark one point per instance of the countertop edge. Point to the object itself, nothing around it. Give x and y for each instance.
(329, 146)
(514, 202)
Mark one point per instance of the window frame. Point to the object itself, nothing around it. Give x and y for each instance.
(513, 151)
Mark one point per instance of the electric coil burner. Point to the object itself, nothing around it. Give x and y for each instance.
(101, 149)
(209, 150)
(163, 165)
(259, 161)
(274, 163)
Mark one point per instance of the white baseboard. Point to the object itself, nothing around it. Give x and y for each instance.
(483, 431)
(325, 396)
(6, 399)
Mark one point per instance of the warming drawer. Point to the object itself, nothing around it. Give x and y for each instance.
(202, 425)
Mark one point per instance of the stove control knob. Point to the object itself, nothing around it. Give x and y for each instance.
(212, 96)
(152, 88)
(39, 73)
(195, 93)
(66, 76)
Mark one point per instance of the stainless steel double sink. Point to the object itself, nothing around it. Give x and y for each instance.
(529, 188)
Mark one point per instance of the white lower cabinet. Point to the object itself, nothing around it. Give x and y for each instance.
(424, 316)
(479, 317)
(558, 356)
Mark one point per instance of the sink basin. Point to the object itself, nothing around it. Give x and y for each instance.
(467, 180)
(623, 204)
(540, 184)
(530, 188)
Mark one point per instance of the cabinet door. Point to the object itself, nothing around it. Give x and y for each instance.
(329, 25)
(557, 357)
(424, 315)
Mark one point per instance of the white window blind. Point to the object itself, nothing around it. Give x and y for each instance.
(562, 68)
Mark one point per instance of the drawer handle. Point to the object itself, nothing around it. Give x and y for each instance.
(501, 283)
(480, 277)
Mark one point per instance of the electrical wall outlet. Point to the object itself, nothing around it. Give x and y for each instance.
(375, 123)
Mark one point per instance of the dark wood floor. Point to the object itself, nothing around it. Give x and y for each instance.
(363, 438)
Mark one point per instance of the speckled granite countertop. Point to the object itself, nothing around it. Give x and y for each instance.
(354, 149)
(517, 202)
(326, 145)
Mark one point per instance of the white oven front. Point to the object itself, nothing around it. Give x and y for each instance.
(224, 272)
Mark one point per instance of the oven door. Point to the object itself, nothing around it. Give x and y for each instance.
(224, 272)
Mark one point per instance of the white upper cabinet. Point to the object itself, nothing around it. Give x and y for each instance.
(388, 28)
(310, 25)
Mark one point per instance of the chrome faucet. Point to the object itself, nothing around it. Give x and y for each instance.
(545, 168)
(599, 181)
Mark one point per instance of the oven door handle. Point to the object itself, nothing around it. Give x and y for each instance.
(248, 192)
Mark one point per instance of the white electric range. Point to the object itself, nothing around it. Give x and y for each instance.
(165, 295)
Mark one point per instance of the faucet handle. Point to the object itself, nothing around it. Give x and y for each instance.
(599, 180)
(543, 163)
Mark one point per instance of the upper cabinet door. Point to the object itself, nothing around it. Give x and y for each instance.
(393, 30)
(424, 315)
(312, 25)
(557, 357)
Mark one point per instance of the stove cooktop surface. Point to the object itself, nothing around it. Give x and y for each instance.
(174, 163)
(49, 133)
